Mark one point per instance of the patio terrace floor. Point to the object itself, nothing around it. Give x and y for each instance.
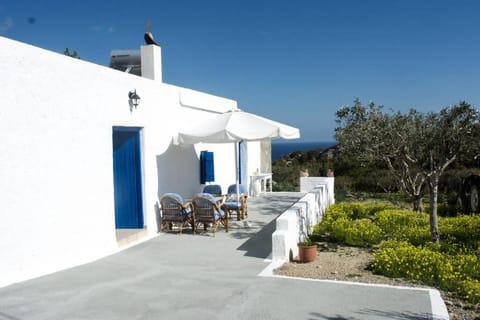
(176, 276)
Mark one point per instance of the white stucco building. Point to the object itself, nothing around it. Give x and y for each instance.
(61, 122)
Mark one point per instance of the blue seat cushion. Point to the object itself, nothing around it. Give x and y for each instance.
(213, 189)
(209, 196)
(233, 205)
(233, 189)
(177, 199)
(174, 195)
(218, 212)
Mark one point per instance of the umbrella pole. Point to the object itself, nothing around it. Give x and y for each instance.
(237, 171)
(237, 176)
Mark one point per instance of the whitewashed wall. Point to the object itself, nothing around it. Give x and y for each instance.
(56, 185)
(293, 225)
(309, 183)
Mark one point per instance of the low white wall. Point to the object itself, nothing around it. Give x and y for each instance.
(310, 183)
(294, 224)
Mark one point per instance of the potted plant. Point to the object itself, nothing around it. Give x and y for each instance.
(307, 250)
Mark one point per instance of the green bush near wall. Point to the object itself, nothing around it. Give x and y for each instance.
(363, 233)
(461, 230)
(456, 273)
(404, 225)
(404, 243)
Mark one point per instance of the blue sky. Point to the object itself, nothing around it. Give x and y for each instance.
(293, 61)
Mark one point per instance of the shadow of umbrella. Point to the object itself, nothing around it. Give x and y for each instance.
(259, 245)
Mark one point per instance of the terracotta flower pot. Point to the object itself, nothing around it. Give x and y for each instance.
(307, 253)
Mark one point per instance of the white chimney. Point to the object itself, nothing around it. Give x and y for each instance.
(151, 57)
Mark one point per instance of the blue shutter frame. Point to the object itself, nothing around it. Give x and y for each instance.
(207, 167)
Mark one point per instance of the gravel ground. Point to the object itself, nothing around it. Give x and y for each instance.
(345, 263)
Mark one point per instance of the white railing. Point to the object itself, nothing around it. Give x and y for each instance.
(295, 223)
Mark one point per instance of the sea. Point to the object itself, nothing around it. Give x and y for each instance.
(282, 148)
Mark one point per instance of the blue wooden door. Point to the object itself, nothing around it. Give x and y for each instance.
(127, 178)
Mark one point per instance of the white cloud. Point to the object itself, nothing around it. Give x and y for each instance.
(111, 29)
(6, 24)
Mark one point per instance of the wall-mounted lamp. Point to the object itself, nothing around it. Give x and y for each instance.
(134, 98)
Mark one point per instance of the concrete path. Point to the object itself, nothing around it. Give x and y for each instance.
(204, 277)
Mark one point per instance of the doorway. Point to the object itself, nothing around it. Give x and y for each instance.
(127, 177)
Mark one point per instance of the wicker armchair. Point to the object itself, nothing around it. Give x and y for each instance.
(213, 189)
(208, 211)
(234, 204)
(175, 212)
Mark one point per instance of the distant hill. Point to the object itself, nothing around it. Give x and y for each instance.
(282, 148)
(288, 169)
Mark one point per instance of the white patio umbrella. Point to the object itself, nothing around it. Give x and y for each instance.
(236, 126)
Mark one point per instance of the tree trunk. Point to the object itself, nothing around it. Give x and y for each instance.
(433, 186)
(417, 203)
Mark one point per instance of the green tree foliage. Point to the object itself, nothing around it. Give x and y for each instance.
(417, 148)
(372, 135)
(74, 54)
(286, 171)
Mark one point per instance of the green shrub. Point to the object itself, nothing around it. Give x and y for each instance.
(333, 213)
(348, 223)
(462, 229)
(362, 233)
(404, 225)
(470, 290)
(445, 209)
(284, 186)
(458, 273)
(452, 265)
(467, 264)
(338, 230)
(400, 259)
(351, 210)
(373, 207)
(336, 211)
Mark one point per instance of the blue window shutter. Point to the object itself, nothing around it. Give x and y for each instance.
(207, 172)
(210, 172)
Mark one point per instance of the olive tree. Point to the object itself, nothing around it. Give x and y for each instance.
(372, 134)
(448, 134)
(416, 147)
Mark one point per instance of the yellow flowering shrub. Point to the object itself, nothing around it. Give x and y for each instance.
(452, 265)
(356, 210)
(334, 216)
(374, 207)
(362, 233)
(348, 223)
(338, 229)
(464, 230)
(400, 259)
(470, 289)
(404, 225)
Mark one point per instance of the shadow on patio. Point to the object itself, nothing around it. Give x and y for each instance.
(262, 214)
